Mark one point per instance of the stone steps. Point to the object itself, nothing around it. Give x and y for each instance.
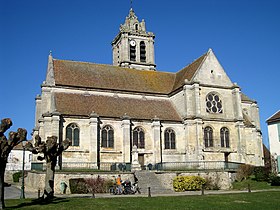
(148, 179)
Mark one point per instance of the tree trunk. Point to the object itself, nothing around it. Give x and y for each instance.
(49, 180)
(2, 185)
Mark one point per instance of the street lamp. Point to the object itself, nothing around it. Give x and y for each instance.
(22, 195)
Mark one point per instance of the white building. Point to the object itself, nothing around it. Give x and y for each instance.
(15, 159)
(195, 114)
(273, 124)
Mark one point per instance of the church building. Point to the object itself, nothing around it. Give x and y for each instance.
(131, 113)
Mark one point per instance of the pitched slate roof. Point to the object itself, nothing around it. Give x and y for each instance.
(246, 98)
(187, 72)
(110, 106)
(101, 76)
(274, 118)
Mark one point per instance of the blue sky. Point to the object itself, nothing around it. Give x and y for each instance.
(244, 35)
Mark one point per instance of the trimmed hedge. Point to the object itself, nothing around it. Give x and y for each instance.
(188, 183)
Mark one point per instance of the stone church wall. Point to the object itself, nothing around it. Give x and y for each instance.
(77, 153)
(223, 180)
(178, 154)
(227, 103)
(36, 180)
(178, 100)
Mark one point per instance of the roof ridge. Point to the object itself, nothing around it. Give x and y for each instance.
(191, 62)
(271, 118)
(181, 74)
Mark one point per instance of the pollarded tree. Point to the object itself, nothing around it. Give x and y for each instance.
(6, 146)
(50, 149)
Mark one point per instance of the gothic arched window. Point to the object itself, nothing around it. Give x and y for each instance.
(107, 137)
(138, 137)
(73, 134)
(142, 51)
(169, 139)
(213, 103)
(208, 137)
(224, 133)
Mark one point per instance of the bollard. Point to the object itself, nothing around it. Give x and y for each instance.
(249, 188)
(149, 192)
(38, 193)
(202, 189)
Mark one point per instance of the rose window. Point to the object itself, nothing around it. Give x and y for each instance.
(213, 103)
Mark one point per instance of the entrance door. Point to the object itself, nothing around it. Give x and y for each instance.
(226, 159)
(226, 156)
(141, 160)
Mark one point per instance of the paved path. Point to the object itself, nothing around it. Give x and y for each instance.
(11, 192)
(14, 191)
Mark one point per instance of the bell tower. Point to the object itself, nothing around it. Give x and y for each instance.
(133, 47)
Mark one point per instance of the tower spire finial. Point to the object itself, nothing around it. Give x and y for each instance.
(131, 1)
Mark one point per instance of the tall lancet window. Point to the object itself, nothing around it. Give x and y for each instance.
(73, 134)
(132, 50)
(169, 139)
(224, 137)
(139, 137)
(208, 137)
(107, 137)
(142, 51)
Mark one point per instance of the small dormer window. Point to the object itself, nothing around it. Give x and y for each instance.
(136, 27)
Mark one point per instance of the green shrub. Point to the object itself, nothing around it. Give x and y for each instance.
(261, 173)
(244, 171)
(275, 181)
(78, 186)
(16, 176)
(188, 183)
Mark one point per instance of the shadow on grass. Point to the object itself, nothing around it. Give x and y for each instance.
(39, 201)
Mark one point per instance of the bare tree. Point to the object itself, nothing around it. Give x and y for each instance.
(6, 146)
(50, 149)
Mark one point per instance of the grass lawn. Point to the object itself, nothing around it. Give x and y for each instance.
(255, 185)
(256, 200)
